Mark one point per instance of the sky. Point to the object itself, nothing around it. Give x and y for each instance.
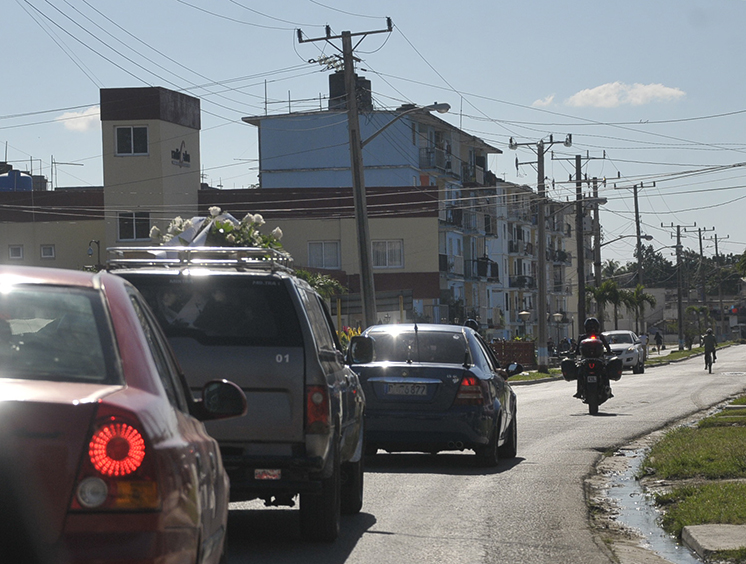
(652, 91)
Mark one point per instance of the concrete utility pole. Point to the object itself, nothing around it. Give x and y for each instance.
(679, 282)
(638, 252)
(702, 295)
(720, 284)
(367, 286)
(541, 320)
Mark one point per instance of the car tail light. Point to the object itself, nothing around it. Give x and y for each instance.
(470, 392)
(118, 469)
(317, 409)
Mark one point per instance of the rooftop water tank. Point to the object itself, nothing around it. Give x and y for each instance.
(16, 181)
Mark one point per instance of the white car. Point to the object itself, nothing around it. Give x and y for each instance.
(627, 346)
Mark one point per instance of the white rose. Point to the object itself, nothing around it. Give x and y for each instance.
(214, 211)
(258, 219)
(277, 233)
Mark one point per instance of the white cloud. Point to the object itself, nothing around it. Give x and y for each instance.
(81, 121)
(544, 102)
(613, 94)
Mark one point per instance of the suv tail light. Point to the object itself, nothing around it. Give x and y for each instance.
(118, 469)
(317, 409)
(470, 392)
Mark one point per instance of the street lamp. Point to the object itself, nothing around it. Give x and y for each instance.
(98, 251)
(558, 317)
(646, 237)
(524, 315)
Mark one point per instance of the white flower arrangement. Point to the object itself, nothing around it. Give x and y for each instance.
(218, 230)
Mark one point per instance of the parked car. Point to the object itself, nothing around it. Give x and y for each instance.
(108, 447)
(627, 346)
(240, 312)
(431, 388)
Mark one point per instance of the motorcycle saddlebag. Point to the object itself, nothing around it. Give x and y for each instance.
(614, 368)
(569, 369)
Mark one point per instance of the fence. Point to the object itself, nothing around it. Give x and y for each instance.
(523, 352)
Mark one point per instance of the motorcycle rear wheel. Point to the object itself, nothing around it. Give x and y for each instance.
(591, 398)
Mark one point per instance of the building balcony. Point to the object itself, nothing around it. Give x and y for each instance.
(521, 281)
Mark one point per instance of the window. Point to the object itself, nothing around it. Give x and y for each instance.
(132, 140)
(388, 254)
(47, 251)
(324, 254)
(15, 252)
(134, 226)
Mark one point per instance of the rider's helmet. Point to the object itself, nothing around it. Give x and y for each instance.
(592, 326)
(709, 330)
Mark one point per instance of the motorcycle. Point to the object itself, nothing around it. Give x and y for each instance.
(593, 371)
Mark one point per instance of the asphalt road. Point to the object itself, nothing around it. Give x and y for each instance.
(443, 508)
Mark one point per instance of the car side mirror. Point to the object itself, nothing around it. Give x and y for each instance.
(514, 368)
(221, 399)
(360, 350)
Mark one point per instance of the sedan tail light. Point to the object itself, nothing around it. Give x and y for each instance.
(317, 409)
(471, 392)
(118, 469)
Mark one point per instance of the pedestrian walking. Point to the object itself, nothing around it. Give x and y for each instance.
(644, 341)
(658, 341)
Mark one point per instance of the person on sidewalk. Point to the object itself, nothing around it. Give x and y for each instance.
(658, 341)
(709, 341)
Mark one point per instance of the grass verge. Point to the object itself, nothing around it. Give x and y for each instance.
(712, 457)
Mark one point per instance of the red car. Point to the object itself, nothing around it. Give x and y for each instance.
(99, 427)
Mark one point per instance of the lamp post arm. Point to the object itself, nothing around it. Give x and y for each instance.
(437, 107)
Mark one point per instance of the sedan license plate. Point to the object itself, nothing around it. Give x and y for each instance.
(592, 378)
(406, 389)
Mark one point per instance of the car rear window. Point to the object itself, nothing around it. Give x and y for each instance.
(223, 310)
(420, 346)
(52, 333)
(619, 338)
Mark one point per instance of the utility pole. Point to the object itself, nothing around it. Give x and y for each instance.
(638, 252)
(720, 285)
(580, 230)
(702, 296)
(597, 239)
(367, 286)
(541, 149)
(679, 283)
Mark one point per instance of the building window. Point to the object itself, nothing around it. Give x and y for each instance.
(15, 252)
(388, 254)
(47, 252)
(132, 140)
(134, 226)
(324, 254)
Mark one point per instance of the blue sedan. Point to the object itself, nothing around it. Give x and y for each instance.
(431, 388)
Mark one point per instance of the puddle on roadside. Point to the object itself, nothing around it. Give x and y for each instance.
(638, 512)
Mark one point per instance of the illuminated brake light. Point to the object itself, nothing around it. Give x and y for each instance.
(470, 392)
(117, 449)
(317, 409)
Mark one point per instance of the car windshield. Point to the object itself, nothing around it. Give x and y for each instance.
(435, 347)
(223, 310)
(60, 334)
(619, 338)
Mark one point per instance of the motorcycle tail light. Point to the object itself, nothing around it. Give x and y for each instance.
(118, 470)
(470, 392)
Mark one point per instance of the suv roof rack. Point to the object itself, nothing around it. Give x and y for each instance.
(242, 258)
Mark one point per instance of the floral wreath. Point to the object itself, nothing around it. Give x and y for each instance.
(218, 230)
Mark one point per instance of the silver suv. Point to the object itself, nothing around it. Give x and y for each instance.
(240, 313)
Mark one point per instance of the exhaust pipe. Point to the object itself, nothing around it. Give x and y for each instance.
(455, 445)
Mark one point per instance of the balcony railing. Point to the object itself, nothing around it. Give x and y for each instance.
(522, 282)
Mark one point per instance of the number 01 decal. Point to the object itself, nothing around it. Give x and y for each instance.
(280, 358)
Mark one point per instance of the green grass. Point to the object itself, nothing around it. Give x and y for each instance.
(715, 452)
(706, 504)
(714, 449)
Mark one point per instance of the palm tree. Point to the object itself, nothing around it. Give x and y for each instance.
(602, 295)
(638, 299)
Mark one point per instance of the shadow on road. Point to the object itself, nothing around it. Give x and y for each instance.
(273, 535)
(455, 464)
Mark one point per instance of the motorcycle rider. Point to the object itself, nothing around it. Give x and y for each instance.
(592, 329)
(709, 341)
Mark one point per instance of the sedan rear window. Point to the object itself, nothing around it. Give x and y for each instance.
(619, 338)
(52, 333)
(223, 310)
(410, 346)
